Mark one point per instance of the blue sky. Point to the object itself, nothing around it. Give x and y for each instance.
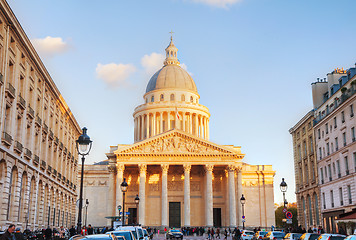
(252, 60)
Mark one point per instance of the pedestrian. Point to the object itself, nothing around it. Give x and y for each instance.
(84, 231)
(62, 233)
(48, 233)
(218, 233)
(225, 233)
(209, 232)
(90, 230)
(18, 234)
(72, 231)
(8, 235)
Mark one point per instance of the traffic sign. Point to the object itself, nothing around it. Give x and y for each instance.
(284, 210)
(289, 221)
(243, 217)
(289, 215)
(127, 213)
(243, 220)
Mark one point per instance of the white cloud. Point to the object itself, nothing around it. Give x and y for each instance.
(218, 3)
(152, 63)
(114, 74)
(186, 68)
(50, 46)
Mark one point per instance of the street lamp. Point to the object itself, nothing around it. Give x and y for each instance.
(83, 147)
(124, 186)
(137, 200)
(283, 186)
(243, 201)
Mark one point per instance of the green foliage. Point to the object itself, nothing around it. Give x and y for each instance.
(279, 215)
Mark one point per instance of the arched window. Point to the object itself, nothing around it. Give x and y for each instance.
(316, 207)
(162, 97)
(12, 185)
(172, 97)
(146, 100)
(183, 98)
(310, 211)
(152, 99)
(191, 99)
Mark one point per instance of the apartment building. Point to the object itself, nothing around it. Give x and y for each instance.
(38, 158)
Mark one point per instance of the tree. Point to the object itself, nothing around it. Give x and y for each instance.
(280, 215)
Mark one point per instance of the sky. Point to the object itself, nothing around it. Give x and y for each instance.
(253, 62)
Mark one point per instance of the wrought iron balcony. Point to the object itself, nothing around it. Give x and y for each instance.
(30, 112)
(1, 79)
(11, 91)
(38, 120)
(36, 160)
(61, 145)
(45, 128)
(21, 102)
(18, 147)
(49, 169)
(59, 176)
(28, 153)
(6, 139)
(54, 172)
(51, 135)
(56, 140)
(43, 164)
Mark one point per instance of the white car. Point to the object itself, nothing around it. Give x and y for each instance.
(137, 231)
(247, 234)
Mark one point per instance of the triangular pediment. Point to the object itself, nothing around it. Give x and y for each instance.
(176, 142)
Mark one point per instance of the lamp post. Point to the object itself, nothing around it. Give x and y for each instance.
(124, 186)
(83, 147)
(243, 201)
(283, 186)
(137, 200)
(86, 211)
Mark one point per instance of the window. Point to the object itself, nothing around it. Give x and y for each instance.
(336, 144)
(347, 165)
(344, 138)
(326, 173)
(329, 168)
(310, 210)
(319, 133)
(299, 153)
(353, 134)
(306, 173)
(305, 148)
(338, 168)
(324, 201)
(316, 209)
(342, 117)
(322, 175)
(341, 198)
(152, 99)
(327, 149)
(182, 98)
(191, 99)
(334, 169)
(349, 193)
(335, 122)
(351, 110)
(332, 198)
(354, 160)
(311, 144)
(161, 98)
(326, 128)
(320, 155)
(303, 130)
(172, 97)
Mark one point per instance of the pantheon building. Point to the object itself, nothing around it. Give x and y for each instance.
(181, 178)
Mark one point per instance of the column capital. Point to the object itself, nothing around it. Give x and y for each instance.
(143, 168)
(165, 168)
(187, 167)
(231, 168)
(120, 167)
(209, 168)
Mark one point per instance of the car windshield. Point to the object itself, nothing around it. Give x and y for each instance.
(249, 233)
(278, 234)
(126, 234)
(140, 232)
(297, 235)
(263, 233)
(175, 230)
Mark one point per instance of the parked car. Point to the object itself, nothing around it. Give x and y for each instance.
(174, 234)
(247, 234)
(146, 235)
(259, 235)
(292, 236)
(95, 237)
(329, 236)
(136, 230)
(274, 235)
(351, 237)
(125, 233)
(309, 236)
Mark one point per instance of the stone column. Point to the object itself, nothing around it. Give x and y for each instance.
(209, 195)
(168, 121)
(232, 197)
(187, 168)
(161, 123)
(239, 194)
(147, 126)
(183, 118)
(154, 125)
(164, 195)
(111, 197)
(141, 127)
(201, 133)
(196, 132)
(120, 168)
(142, 194)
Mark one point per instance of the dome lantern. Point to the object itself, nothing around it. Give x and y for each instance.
(171, 54)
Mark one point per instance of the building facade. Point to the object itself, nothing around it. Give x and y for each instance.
(306, 175)
(181, 178)
(334, 129)
(38, 131)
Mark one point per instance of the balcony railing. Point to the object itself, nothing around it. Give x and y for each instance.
(45, 128)
(49, 169)
(51, 135)
(30, 111)
(56, 140)
(28, 154)
(338, 101)
(54, 172)
(59, 176)
(38, 120)
(11, 90)
(21, 102)
(18, 147)
(1, 79)
(6, 138)
(61, 145)
(65, 150)
(43, 164)
(36, 160)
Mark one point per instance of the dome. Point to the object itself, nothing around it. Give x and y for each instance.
(171, 76)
